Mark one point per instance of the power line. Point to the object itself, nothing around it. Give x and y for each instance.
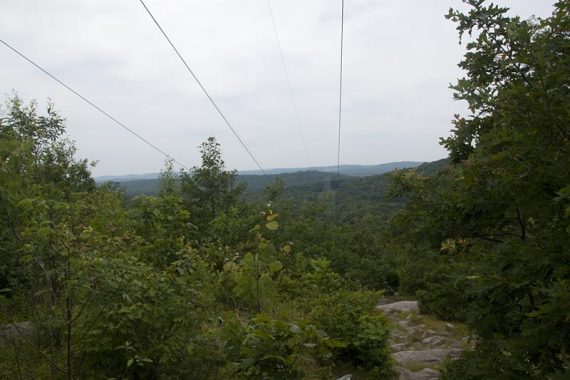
(94, 106)
(340, 88)
(202, 87)
(289, 83)
(339, 109)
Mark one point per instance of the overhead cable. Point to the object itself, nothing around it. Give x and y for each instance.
(202, 87)
(339, 108)
(299, 124)
(340, 88)
(112, 118)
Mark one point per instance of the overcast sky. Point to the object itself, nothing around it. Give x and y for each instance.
(400, 56)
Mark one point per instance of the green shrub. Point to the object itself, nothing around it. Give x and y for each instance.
(351, 317)
(276, 349)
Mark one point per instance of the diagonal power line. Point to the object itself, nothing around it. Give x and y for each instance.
(333, 206)
(289, 83)
(340, 88)
(202, 87)
(112, 118)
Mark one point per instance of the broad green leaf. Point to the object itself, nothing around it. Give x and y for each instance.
(272, 225)
(275, 266)
(229, 266)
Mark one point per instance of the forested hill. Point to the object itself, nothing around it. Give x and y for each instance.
(349, 170)
(300, 183)
(353, 196)
(256, 184)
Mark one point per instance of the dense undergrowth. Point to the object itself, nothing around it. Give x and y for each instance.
(192, 283)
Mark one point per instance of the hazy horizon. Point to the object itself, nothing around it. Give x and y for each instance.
(251, 171)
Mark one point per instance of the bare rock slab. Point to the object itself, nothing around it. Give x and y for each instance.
(433, 356)
(402, 306)
(423, 374)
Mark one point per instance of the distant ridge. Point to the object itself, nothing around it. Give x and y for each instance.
(349, 170)
(126, 177)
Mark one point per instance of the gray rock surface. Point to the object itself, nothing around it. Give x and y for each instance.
(420, 343)
(402, 306)
(433, 341)
(422, 374)
(15, 331)
(433, 356)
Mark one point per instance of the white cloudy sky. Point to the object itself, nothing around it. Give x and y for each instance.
(400, 56)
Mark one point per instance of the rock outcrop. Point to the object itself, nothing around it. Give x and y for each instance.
(428, 357)
(420, 343)
(15, 331)
(402, 306)
(422, 374)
